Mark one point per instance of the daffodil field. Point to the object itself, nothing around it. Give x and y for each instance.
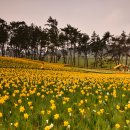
(45, 96)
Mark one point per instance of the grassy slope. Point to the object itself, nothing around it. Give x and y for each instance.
(7, 62)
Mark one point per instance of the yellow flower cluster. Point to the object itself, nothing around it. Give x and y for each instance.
(49, 98)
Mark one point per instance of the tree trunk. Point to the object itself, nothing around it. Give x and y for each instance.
(36, 56)
(95, 57)
(56, 58)
(51, 58)
(68, 54)
(64, 59)
(119, 58)
(101, 59)
(126, 60)
(70, 57)
(74, 55)
(85, 60)
(40, 56)
(2, 49)
(78, 59)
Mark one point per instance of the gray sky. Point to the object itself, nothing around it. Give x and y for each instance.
(87, 15)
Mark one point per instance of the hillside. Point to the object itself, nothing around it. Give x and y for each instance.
(40, 95)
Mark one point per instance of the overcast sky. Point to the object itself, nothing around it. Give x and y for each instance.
(87, 15)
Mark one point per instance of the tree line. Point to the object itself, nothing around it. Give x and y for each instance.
(67, 44)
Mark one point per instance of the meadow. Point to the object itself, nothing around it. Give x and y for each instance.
(38, 95)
